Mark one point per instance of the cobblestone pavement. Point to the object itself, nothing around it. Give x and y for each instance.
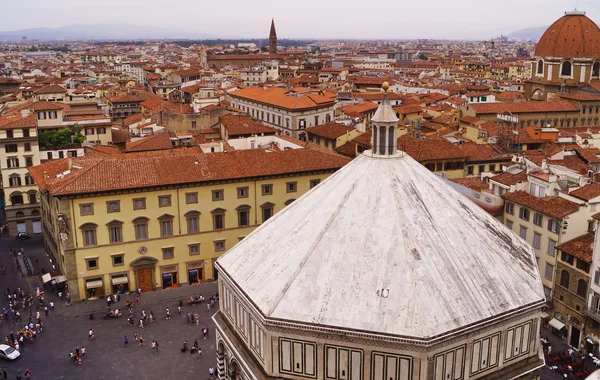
(66, 328)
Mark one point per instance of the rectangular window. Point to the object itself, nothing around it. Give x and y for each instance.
(41, 115)
(267, 189)
(52, 115)
(86, 209)
(523, 232)
(219, 245)
(218, 221)
(492, 167)
(509, 208)
(168, 253)
(12, 162)
(537, 219)
(101, 131)
(117, 260)
(541, 191)
(14, 181)
(267, 213)
(242, 192)
(141, 231)
(217, 195)
(243, 218)
(291, 187)
(91, 263)
(11, 148)
(549, 272)
(567, 258)
(553, 225)
(524, 213)
(194, 249)
(536, 240)
(551, 247)
(314, 182)
(191, 198)
(509, 224)
(27, 147)
(470, 170)
(139, 203)
(166, 228)
(28, 162)
(481, 168)
(113, 206)
(89, 131)
(164, 201)
(89, 237)
(532, 189)
(114, 234)
(193, 224)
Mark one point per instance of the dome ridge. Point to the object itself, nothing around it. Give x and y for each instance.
(574, 35)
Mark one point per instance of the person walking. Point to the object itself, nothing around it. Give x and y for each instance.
(208, 306)
(168, 314)
(135, 336)
(199, 352)
(126, 341)
(141, 343)
(91, 334)
(82, 352)
(52, 305)
(27, 374)
(46, 310)
(211, 372)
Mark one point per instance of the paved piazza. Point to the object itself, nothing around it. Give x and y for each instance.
(67, 327)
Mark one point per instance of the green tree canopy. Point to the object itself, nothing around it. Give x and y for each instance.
(68, 136)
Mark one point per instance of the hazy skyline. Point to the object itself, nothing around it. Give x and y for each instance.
(468, 19)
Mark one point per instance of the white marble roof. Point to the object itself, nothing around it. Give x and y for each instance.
(385, 246)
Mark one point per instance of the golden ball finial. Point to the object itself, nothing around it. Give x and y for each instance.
(385, 86)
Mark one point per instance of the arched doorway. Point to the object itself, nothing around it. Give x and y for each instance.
(144, 269)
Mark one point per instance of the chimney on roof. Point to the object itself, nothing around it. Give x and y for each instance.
(45, 174)
(70, 163)
(25, 112)
(545, 165)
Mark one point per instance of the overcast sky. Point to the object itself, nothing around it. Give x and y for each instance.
(473, 19)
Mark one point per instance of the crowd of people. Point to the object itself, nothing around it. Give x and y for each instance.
(569, 365)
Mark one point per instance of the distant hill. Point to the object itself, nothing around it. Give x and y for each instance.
(528, 34)
(101, 32)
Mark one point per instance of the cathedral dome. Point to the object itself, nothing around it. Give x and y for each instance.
(574, 36)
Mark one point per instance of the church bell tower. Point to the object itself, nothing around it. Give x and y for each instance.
(273, 38)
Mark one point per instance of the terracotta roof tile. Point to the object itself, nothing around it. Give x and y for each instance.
(556, 207)
(153, 142)
(330, 130)
(509, 179)
(283, 98)
(430, 149)
(581, 247)
(474, 183)
(52, 89)
(240, 125)
(482, 152)
(129, 171)
(587, 192)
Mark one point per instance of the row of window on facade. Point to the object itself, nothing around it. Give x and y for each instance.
(441, 166)
(140, 224)
(481, 168)
(566, 69)
(525, 214)
(16, 198)
(14, 148)
(192, 198)
(118, 259)
(43, 115)
(271, 118)
(10, 133)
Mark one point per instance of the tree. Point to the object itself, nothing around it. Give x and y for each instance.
(68, 136)
(423, 57)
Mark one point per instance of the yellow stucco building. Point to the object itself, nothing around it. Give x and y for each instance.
(160, 219)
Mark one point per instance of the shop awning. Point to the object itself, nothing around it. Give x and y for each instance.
(545, 315)
(556, 324)
(93, 284)
(60, 279)
(46, 278)
(120, 280)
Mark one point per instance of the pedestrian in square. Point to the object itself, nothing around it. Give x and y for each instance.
(126, 341)
(46, 310)
(82, 352)
(141, 341)
(52, 305)
(211, 372)
(135, 336)
(199, 352)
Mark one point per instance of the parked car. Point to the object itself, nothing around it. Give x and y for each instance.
(7, 352)
(23, 236)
